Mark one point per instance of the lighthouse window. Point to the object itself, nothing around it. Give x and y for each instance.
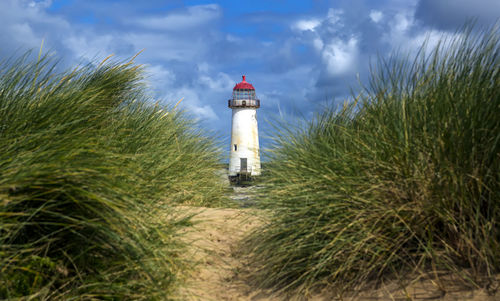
(235, 147)
(244, 94)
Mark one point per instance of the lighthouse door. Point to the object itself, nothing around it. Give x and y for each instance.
(243, 164)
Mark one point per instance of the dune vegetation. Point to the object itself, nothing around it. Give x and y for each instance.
(90, 169)
(402, 183)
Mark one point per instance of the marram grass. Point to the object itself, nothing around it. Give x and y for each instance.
(89, 171)
(402, 183)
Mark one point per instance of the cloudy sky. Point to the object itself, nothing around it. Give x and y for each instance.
(297, 54)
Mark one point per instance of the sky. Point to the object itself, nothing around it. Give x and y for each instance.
(299, 55)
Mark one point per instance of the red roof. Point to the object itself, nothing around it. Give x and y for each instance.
(243, 85)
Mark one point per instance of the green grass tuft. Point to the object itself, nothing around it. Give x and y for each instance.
(90, 170)
(403, 182)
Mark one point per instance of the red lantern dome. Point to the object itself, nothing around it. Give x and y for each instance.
(244, 85)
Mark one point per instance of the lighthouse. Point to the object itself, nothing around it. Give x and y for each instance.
(244, 159)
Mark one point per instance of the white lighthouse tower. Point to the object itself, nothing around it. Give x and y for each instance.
(244, 159)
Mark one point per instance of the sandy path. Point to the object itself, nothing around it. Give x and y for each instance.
(213, 240)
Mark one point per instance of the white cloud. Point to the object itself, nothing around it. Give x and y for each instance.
(203, 67)
(402, 22)
(431, 39)
(318, 43)
(23, 33)
(25, 24)
(159, 76)
(193, 16)
(341, 56)
(307, 24)
(405, 34)
(202, 112)
(165, 47)
(40, 4)
(192, 104)
(334, 15)
(398, 36)
(90, 46)
(233, 38)
(376, 15)
(221, 82)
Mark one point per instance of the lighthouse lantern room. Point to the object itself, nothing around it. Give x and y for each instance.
(244, 159)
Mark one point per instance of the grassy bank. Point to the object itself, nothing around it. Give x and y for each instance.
(402, 183)
(89, 171)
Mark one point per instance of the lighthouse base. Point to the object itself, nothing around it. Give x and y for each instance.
(241, 179)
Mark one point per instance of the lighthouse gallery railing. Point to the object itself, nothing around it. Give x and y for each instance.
(249, 103)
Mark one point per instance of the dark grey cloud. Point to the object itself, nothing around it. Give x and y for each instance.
(450, 15)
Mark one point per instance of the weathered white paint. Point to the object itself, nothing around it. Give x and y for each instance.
(245, 135)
